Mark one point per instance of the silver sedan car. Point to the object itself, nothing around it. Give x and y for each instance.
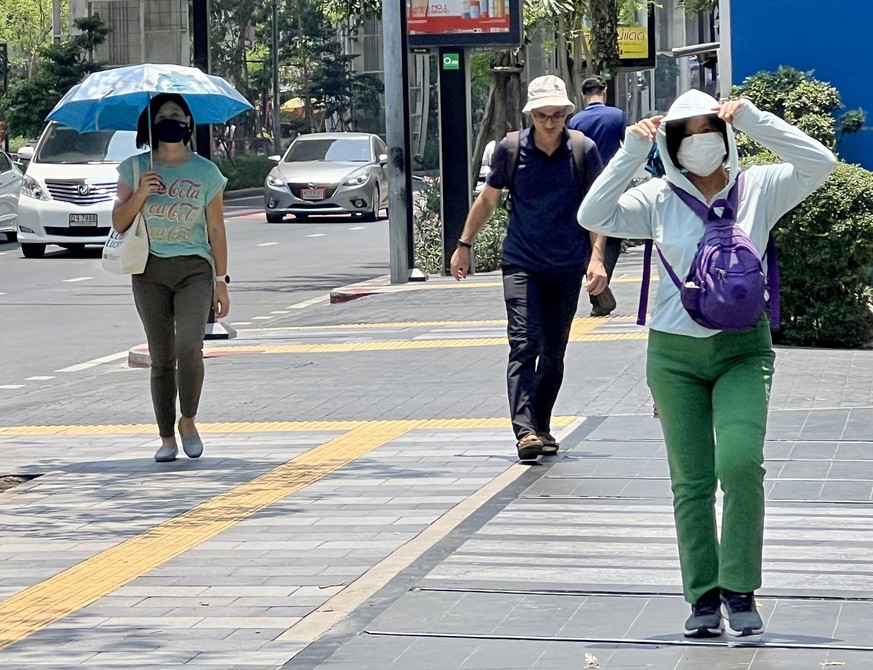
(329, 173)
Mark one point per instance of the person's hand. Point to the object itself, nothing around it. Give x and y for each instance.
(596, 277)
(728, 109)
(149, 182)
(220, 300)
(646, 129)
(460, 263)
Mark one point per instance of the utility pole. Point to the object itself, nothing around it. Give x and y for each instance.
(399, 166)
(56, 21)
(277, 128)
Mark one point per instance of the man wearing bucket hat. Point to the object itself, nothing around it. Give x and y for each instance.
(548, 170)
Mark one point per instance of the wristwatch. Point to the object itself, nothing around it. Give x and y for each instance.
(223, 278)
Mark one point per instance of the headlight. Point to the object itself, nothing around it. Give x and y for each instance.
(357, 181)
(31, 188)
(275, 181)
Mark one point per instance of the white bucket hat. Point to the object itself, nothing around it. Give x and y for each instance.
(547, 91)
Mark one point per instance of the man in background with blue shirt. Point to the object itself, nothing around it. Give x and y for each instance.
(546, 255)
(605, 125)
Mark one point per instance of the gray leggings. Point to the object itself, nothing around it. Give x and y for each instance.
(173, 297)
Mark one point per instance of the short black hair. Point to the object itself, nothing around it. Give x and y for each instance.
(595, 84)
(675, 133)
(142, 126)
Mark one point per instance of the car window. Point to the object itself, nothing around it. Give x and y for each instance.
(5, 165)
(381, 147)
(64, 145)
(329, 149)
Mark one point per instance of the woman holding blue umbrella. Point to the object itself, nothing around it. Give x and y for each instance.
(180, 195)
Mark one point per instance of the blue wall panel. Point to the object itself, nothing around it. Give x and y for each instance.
(833, 38)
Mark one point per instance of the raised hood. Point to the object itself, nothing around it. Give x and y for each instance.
(693, 103)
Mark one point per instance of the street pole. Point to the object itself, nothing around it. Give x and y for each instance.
(399, 166)
(277, 129)
(56, 21)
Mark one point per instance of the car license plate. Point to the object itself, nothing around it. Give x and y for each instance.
(83, 219)
(312, 193)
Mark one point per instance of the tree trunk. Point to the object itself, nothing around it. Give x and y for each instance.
(604, 36)
(502, 110)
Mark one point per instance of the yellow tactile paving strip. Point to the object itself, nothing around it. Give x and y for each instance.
(49, 601)
(267, 426)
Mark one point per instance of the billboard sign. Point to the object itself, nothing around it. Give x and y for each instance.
(463, 23)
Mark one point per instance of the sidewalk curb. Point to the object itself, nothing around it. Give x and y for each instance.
(360, 289)
(139, 357)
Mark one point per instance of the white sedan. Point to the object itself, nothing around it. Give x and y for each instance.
(10, 187)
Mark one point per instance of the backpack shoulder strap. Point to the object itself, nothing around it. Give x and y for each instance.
(513, 139)
(577, 146)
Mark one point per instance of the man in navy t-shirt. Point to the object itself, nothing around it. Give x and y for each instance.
(546, 254)
(605, 125)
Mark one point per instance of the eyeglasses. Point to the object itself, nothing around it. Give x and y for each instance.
(557, 117)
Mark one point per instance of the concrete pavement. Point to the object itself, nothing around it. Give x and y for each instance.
(359, 506)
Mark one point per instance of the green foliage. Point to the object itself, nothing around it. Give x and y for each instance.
(825, 243)
(428, 235)
(802, 100)
(26, 27)
(61, 66)
(249, 171)
(825, 254)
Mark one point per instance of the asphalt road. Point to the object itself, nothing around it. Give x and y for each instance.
(63, 311)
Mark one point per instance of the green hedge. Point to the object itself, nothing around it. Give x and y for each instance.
(249, 171)
(825, 255)
(428, 235)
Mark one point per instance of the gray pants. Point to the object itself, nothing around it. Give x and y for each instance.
(173, 297)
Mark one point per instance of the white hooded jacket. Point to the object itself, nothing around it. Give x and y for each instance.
(654, 211)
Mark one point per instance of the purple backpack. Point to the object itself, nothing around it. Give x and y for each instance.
(725, 288)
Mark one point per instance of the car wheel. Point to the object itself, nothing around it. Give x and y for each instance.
(33, 250)
(377, 204)
(275, 218)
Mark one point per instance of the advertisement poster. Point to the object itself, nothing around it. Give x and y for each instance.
(443, 17)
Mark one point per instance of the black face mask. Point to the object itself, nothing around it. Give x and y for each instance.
(170, 130)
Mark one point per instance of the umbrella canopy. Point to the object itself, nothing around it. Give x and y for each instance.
(113, 99)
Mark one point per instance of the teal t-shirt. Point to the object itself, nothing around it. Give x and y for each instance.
(176, 218)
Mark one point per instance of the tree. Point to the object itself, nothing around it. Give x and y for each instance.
(60, 67)
(26, 26)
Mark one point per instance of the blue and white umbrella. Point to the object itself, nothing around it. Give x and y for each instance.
(113, 99)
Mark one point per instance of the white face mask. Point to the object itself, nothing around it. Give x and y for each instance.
(702, 154)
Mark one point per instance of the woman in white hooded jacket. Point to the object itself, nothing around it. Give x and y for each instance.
(711, 387)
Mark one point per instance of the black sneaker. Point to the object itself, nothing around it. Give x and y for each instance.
(741, 614)
(705, 619)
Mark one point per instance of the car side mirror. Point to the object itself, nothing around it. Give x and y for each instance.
(275, 159)
(383, 159)
(25, 153)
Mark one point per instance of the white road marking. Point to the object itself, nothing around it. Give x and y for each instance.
(316, 235)
(310, 302)
(241, 323)
(95, 362)
(70, 281)
(358, 228)
(2, 294)
(280, 311)
(11, 386)
(39, 378)
(268, 244)
(262, 318)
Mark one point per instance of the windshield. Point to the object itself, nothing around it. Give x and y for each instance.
(335, 149)
(64, 145)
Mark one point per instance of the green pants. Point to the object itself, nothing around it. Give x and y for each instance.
(712, 396)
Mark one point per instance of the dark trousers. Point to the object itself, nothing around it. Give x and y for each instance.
(611, 252)
(539, 308)
(173, 297)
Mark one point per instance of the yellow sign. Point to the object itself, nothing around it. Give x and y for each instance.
(633, 42)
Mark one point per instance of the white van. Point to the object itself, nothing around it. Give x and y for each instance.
(69, 188)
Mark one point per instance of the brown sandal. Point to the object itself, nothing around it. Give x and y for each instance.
(529, 447)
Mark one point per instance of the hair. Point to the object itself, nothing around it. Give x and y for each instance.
(142, 126)
(675, 133)
(593, 85)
